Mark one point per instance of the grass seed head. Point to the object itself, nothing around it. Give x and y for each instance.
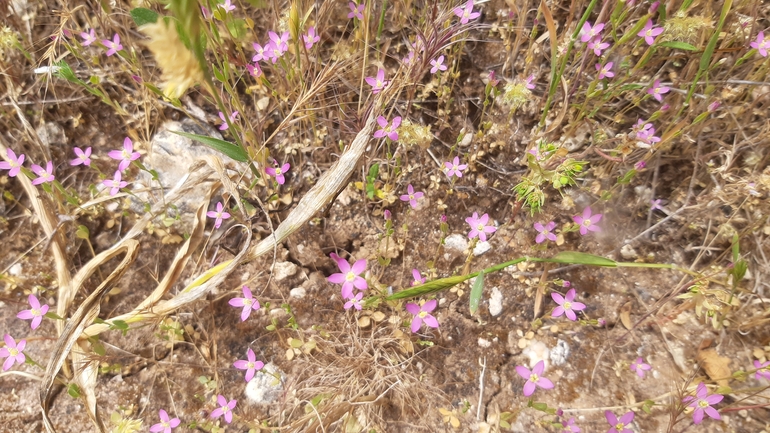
(180, 68)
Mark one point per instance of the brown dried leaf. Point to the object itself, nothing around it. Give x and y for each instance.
(625, 316)
(717, 367)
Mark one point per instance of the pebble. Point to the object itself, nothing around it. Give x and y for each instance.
(456, 242)
(481, 248)
(559, 353)
(536, 352)
(496, 302)
(297, 292)
(284, 270)
(264, 388)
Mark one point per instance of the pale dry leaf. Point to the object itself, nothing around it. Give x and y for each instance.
(625, 316)
(716, 367)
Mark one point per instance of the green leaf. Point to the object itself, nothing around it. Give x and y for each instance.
(143, 16)
(476, 291)
(119, 324)
(52, 315)
(73, 390)
(429, 287)
(223, 146)
(82, 232)
(578, 258)
(679, 45)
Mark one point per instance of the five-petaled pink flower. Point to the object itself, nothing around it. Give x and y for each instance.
(88, 38)
(115, 183)
(589, 32)
(528, 82)
(645, 134)
(422, 314)
(12, 351)
(379, 82)
(82, 157)
(544, 232)
(251, 365)
(597, 45)
(702, 402)
(277, 46)
(225, 408)
(655, 204)
(650, 32)
(310, 38)
(126, 155)
(165, 425)
(261, 52)
(44, 174)
(388, 130)
(438, 65)
(639, 366)
(113, 46)
(36, 312)
(568, 426)
(588, 221)
(219, 215)
(761, 45)
(605, 71)
(619, 425)
(354, 302)
(411, 196)
(534, 378)
(254, 70)
(224, 124)
(356, 11)
(657, 91)
(418, 279)
(479, 226)
(763, 369)
(14, 165)
(349, 276)
(247, 302)
(454, 168)
(466, 13)
(228, 6)
(278, 172)
(567, 305)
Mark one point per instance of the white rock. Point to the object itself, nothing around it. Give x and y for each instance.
(284, 270)
(560, 353)
(628, 252)
(15, 270)
(456, 242)
(264, 388)
(297, 292)
(537, 351)
(484, 343)
(481, 248)
(496, 302)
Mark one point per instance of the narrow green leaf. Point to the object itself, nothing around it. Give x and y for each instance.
(578, 258)
(73, 390)
(679, 45)
(52, 315)
(476, 291)
(143, 16)
(429, 287)
(225, 147)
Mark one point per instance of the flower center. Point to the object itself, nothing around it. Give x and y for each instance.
(250, 365)
(350, 276)
(13, 351)
(35, 312)
(619, 426)
(278, 172)
(648, 32)
(247, 302)
(533, 378)
(703, 403)
(567, 305)
(165, 424)
(411, 196)
(13, 164)
(422, 314)
(126, 155)
(225, 409)
(586, 223)
(480, 227)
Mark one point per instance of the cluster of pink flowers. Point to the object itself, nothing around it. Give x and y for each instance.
(113, 46)
(591, 35)
(274, 49)
(644, 133)
(13, 352)
(125, 156)
(350, 278)
(15, 163)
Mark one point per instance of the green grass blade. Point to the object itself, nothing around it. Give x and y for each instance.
(430, 287)
(225, 147)
(578, 258)
(476, 291)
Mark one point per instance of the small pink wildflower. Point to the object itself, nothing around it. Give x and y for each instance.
(126, 155)
(466, 13)
(14, 165)
(567, 305)
(277, 46)
(657, 91)
(356, 11)
(354, 302)
(165, 425)
(409, 58)
(649, 32)
(247, 302)
(115, 184)
(36, 312)
(528, 82)
(219, 215)
(422, 314)
(639, 366)
(702, 402)
(44, 174)
(714, 106)
(597, 45)
(113, 46)
(418, 279)
(763, 370)
(88, 38)
(254, 70)
(588, 221)
(544, 232)
(605, 71)
(226, 408)
(454, 168)
(479, 226)
(646, 136)
(349, 276)
(761, 45)
(12, 352)
(438, 65)
(261, 52)
(224, 126)
(565, 283)
(310, 38)
(411, 196)
(379, 82)
(619, 425)
(388, 130)
(589, 32)
(228, 6)
(251, 365)
(569, 426)
(640, 165)
(655, 204)
(206, 13)
(534, 378)
(279, 172)
(653, 7)
(82, 157)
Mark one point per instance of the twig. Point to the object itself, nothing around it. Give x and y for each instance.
(481, 388)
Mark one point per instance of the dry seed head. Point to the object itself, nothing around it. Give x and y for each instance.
(180, 68)
(412, 133)
(8, 40)
(682, 28)
(515, 95)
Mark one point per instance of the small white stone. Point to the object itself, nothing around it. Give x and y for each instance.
(628, 252)
(537, 351)
(456, 242)
(264, 388)
(496, 302)
(481, 248)
(15, 270)
(297, 292)
(284, 270)
(484, 343)
(559, 353)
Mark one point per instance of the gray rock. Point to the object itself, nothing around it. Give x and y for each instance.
(560, 353)
(264, 388)
(496, 302)
(481, 248)
(51, 133)
(284, 270)
(456, 242)
(298, 292)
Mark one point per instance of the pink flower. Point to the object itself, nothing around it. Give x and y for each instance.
(224, 124)
(390, 131)
(454, 168)
(113, 46)
(466, 14)
(261, 52)
(597, 45)
(640, 165)
(639, 366)
(226, 408)
(88, 38)
(619, 425)
(44, 174)
(657, 91)
(422, 314)
(587, 222)
(418, 279)
(277, 46)
(206, 13)
(479, 226)
(379, 82)
(354, 302)
(165, 425)
(763, 369)
(310, 38)
(349, 276)
(761, 45)
(254, 70)
(649, 32)
(528, 82)
(605, 71)
(278, 172)
(251, 365)
(247, 302)
(356, 11)
(219, 215)
(411, 196)
(13, 352)
(438, 65)
(533, 378)
(115, 183)
(646, 135)
(227, 6)
(82, 157)
(14, 165)
(126, 155)
(569, 426)
(655, 204)
(589, 32)
(567, 306)
(36, 312)
(409, 58)
(702, 402)
(544, 232)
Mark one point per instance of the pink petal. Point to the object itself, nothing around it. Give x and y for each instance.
(336, 278)
(412, 308)
(545, 383)
(529, 388)
(360, 283)
(430, 321)
(429, 306)
(523, 371)
(241, 364)
(245, 313)
(25, 315)
(359, 267)
(416, 324)
(557, 297)
(558, 311)
(570, 314)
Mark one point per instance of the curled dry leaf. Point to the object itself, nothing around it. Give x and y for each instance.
(717, 367)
